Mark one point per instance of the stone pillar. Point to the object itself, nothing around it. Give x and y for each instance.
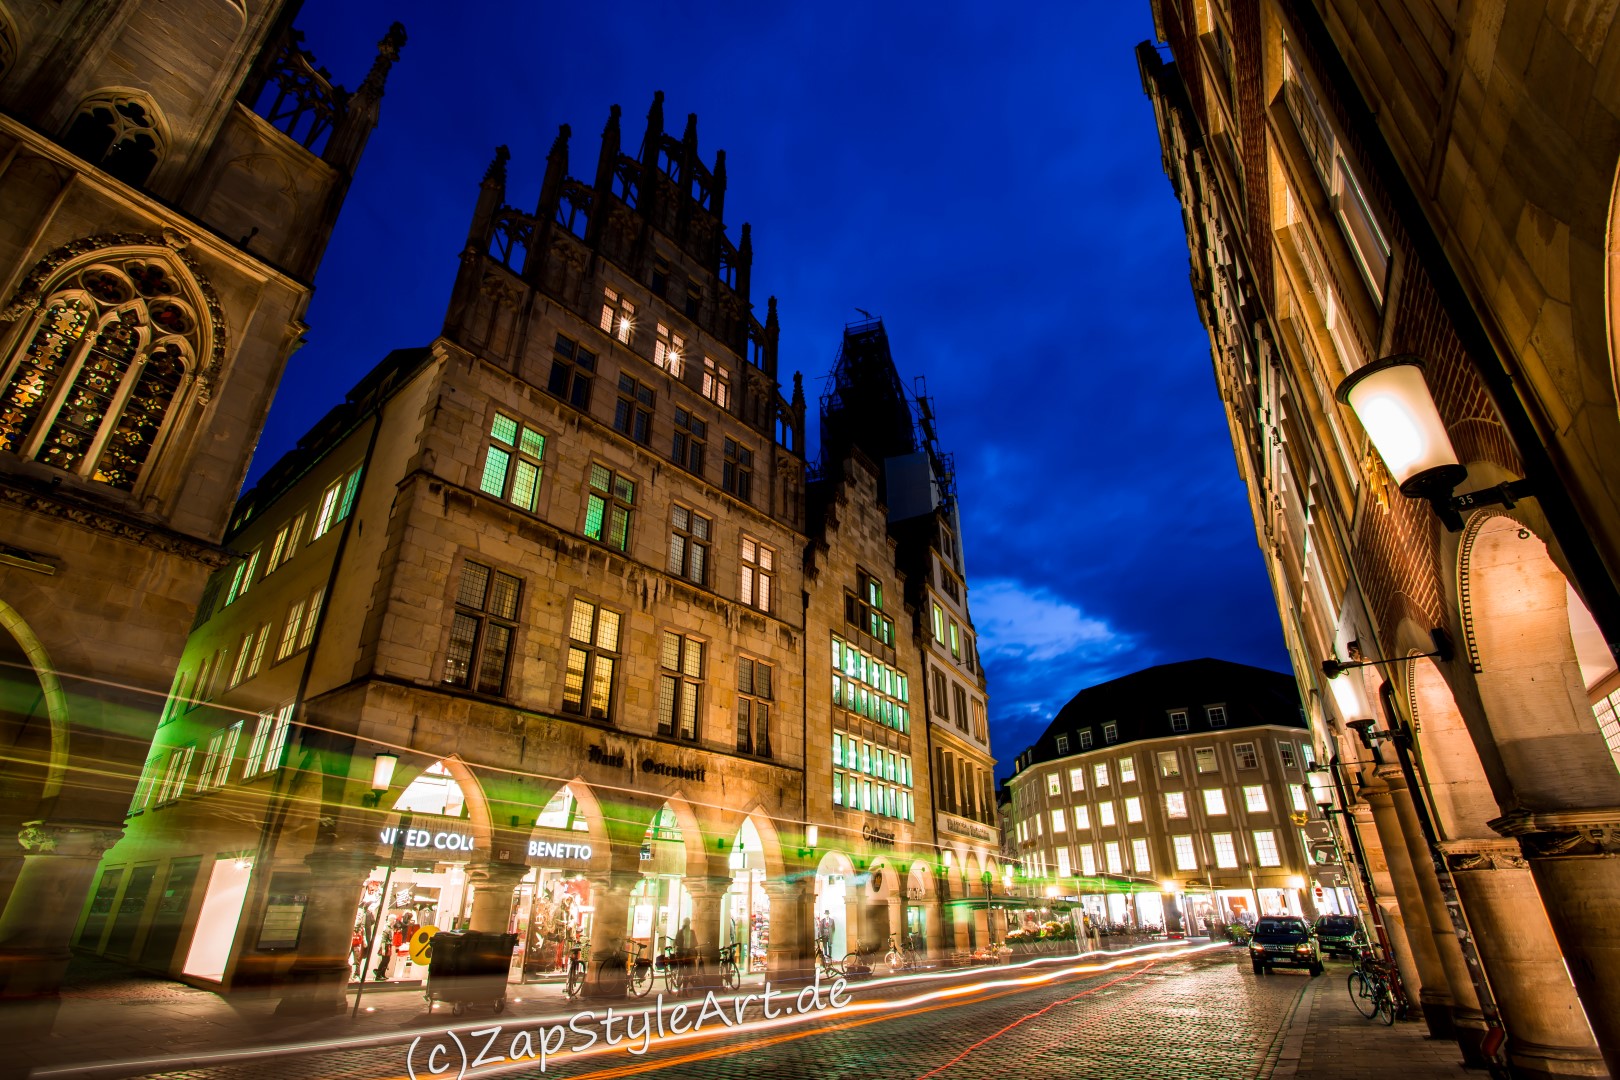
(1574, 857)
(37, 925)
(319, 979)
(707, 895)
(492, 895)
(938, 939)
(790, 956)
(1467, 1019)
(1435, 995)
(897, 921)
(610, 897)
(1548, 1032)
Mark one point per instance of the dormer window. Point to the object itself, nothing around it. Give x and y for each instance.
(1216, 714)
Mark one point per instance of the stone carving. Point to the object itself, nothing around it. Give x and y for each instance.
(156, 539)
(1555, 833)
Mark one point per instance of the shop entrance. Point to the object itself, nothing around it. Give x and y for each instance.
(217, 921)
(745, 913)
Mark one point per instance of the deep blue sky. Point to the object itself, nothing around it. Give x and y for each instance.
(989, 184)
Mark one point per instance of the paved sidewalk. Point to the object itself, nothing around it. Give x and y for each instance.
(1327, 1039)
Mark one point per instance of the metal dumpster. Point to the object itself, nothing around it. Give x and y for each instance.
(469, 967)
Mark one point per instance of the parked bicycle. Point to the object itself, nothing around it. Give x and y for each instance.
(1371, 988)
(675, 968)
(730, 974)
(638, 970)
(574, 984)
(901, 956)
(851, 966)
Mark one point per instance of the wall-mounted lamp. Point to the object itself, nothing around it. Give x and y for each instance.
(1392, 401)
(812, 836)
(1370, 738)
(1443, 651)
(1321, 780)
(382, 777)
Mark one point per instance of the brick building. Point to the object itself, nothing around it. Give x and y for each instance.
(537, 632)
(169, 177)
(1400, 212)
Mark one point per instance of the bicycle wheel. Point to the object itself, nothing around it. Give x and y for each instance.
(1364, 994)
(892, 960)
(576, 980)
(641, 979)
(729, 977)
(1386, 1006)
(675, 978)
(852, 965)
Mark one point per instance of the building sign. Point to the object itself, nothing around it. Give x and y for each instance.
(545, 849)
(877, 836)
(600, 756)
(966, 828)
(679, 772)
(427, 838)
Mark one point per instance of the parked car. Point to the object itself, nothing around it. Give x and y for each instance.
(1339, 935)
(1284, 941)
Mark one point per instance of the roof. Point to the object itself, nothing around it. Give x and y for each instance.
(1140, 705)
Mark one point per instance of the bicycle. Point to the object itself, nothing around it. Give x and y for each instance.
(851, 966)
(900, 955)
(730, 974)
(638, 970)
(1370, 988)
(673, 967)
(574, 985)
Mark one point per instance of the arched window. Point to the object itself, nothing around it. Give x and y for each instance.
(90, 390)
(119, 133)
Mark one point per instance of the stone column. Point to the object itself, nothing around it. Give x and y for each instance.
(790, 956)
(319, 978)
(1435, 996)
(1574, 857)
(610, 896)
(492, 895)
(707, 894)
(37, 925)
(1467, 1019)
(1548, 1032)
(897, 921)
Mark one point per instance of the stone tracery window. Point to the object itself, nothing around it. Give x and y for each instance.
(91, 389)
(119, 133)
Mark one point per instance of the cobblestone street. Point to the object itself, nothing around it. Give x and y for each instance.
(1203, 1015)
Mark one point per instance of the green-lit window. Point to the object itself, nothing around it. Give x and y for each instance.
(838, 789)
(849, 793)
(512, 463)
(866, 794)
(609, 501)
(838, 747)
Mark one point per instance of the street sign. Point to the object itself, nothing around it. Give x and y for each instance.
(422, 945)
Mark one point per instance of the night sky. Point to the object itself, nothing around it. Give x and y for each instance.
(988, 184)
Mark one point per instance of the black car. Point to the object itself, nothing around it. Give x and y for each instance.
(1339, 935)
(1284, 941)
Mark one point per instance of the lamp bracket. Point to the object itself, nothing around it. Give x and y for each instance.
(1443, 651)
(1450, 508)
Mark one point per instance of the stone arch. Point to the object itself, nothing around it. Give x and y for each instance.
(1457, 783)
(122, 131)
(692, 833)
(473, 796)
(595, 830)
(770, 840)
(54, 698)
(1515, 615)
(920, 881)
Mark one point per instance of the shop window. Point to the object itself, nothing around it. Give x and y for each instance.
(593, 656)
(680, 685)
(512, 463)
(754, 682)
(269, 746)
(758, 568)
(690, 440)
(609, 502)
(563, 811)
(572, 368)
(689, 545)
(482, 629)
(632, 416)
(434, 791)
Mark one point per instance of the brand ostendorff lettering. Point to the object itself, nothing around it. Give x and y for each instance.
(679, 772)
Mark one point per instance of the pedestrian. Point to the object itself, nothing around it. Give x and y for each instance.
(685, 941)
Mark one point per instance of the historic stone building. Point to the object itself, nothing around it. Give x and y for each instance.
(535, 632)
(1399, 220)
(169, 177)
(1176, 797)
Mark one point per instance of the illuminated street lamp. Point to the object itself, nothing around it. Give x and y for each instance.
(382, 777)
(1392, 402)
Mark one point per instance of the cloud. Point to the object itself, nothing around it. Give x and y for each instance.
(1037, 625)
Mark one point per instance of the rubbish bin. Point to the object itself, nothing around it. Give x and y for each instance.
(468, 967)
